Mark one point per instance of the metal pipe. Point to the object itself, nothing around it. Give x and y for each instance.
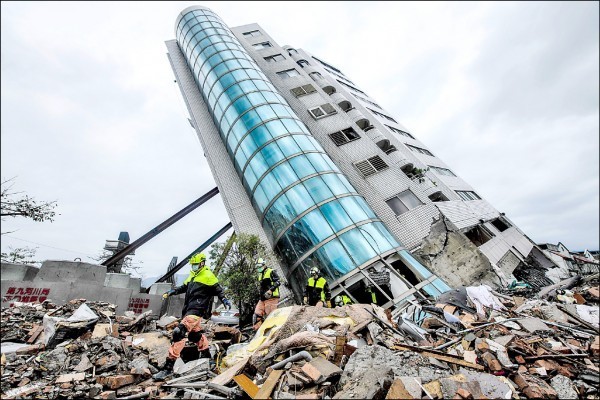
(119, 255)
(302, 355)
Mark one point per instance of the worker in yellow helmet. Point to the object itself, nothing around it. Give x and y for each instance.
(317, 291)
(200, 287)
(342, 300)
(269, 293)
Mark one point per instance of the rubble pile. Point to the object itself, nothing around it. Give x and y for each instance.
(470, 343)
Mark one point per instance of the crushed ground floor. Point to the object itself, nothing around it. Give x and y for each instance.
(472, 342)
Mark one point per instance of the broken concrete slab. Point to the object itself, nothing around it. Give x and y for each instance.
(564, 387)
(320, 370)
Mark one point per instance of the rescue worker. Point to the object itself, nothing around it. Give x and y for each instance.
(317, 291)
(342, 300)
(269, 293)
(200, 287)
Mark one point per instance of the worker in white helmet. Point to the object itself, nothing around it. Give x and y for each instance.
(269, 293)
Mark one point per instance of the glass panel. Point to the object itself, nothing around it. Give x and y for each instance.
(270, 186)
(302, 166)
(285, 249)
(317, 189)
(375, 238)
(336, 258)
(280, 214)
(288, 146)
(261, 198)
(431, 290)
(250, 177)
(261, 135)
(386, 234)
(315, 225)
(304, 142)
(396, 205)
(299, 239)
(258, 164)
(276, 128)
(353, 209)
(299, 198)
(335, 215)
(272, 154)
(414, 264)
(440, 285)
(365, 206)
(409, 199)
(360, 250)
(318, 162)
(284, 174)
(334, 183)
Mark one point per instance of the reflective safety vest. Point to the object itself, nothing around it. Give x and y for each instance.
(373, 295)
(204, 276)
(319, 284)
(266, 274)
(346, 299)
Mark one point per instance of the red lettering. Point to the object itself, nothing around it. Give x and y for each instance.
(20, 291)
(42, 299)
(45, 291)
(11, 290)
(29, 291)
(34, 299)
(26, 299)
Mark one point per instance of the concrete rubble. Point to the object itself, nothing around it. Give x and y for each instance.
(470, 343)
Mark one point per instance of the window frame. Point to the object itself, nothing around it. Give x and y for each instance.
(271, 59)
(252, 33)
(466, 195)
(321, 109)
(403, 203)
(285, 73)
(255, 45)
(343, 133)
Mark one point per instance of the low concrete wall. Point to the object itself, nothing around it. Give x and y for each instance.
(135, 284)
(117, 280)
(17, 272)
(71, 271)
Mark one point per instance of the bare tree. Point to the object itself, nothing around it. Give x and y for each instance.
(126, 265)
(15, 204)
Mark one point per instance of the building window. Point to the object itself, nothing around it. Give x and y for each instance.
(381, 115)
(322, 111)
(371, 166)
(479, 235)
(501, 224)
(327, 65)
(274, 58)
(303, 90)
(288, 73)
(399, 132)
(263, 45)
(292, 51)
(437, 197)
(403, 202)
(303, 63)
(252, 33)
(467, 195)
(344, 136)
(315, 76)
(442, 171)
(419, 150)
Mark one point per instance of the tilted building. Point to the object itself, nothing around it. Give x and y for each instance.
(310, 163)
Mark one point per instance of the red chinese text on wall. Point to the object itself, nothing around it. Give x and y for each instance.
(137, 304)
(26, 295)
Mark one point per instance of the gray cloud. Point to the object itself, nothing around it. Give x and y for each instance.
(505, 93)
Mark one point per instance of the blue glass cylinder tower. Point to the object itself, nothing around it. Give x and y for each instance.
(306, 205)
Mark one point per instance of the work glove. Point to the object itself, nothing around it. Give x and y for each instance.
(179, 332)
(268, 294)
(169, 293)
(227, 304)
(329, 304)
(305, 300)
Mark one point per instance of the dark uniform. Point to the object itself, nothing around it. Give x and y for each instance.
(317, 290)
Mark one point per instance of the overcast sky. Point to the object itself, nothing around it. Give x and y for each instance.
(506, 94)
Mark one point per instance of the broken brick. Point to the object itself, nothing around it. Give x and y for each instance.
(116, 381)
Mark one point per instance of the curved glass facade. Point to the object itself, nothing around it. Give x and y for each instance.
(307, 206)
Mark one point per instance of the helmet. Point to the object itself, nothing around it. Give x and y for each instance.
(314, 271)
(196, 260)
(260, 264)
(338, 300)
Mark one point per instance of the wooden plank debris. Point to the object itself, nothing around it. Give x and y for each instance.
(267, 387)
(247, 385)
